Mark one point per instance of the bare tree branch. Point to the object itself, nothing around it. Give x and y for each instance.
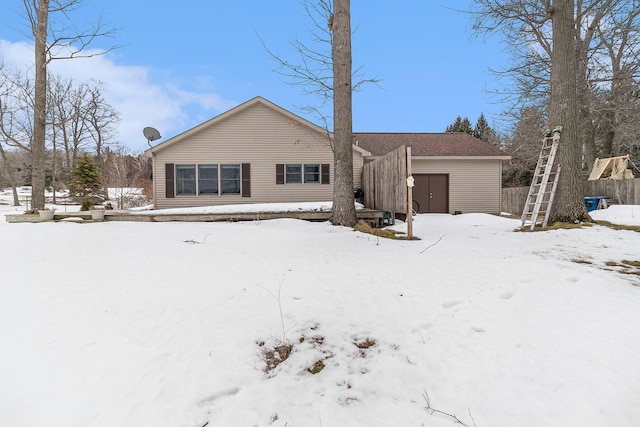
(312, 69)
(54, 39)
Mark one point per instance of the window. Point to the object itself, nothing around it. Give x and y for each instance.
(293, 174)
(301, 173)
(230, 179)
(208, 179)
(311, 173)
(185, 179)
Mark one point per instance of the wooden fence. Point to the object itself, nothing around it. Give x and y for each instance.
(384, 182)
(622, 191)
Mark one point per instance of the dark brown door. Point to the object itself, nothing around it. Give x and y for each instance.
(431, 191)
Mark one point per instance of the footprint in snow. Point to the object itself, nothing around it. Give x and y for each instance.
(426, 325)
(506, 295)
(217, 395)
(450, 304)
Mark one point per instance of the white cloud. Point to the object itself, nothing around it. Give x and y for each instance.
(18, 55)
(132, 91)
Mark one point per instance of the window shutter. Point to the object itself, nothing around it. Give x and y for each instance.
(169, 175)
(246, 180)
(280, 173)
(324, 172)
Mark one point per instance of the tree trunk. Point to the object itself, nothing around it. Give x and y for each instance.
(563, 111)
(343, 211)
(39, 119)
(12, 179)
(583, 40)
(586, 129)
(53, 165)
(607, 142)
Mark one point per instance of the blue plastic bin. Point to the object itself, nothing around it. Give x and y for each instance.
(591, 203)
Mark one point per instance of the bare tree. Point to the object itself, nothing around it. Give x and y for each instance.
(101, 120)
(563, 110)
(324, 69)
(313, 68)
(81, 120)
(77, 133)
(589, 16)
(61, 42)
(125, 172)
(4, 107)
(8, 167)
(523, 145)
(59, 91)
(69, 105)
(78, 119)
(39, 17)
(527, 31)
(559, 36)
(15, 126)
(615, 103)
(343, 211)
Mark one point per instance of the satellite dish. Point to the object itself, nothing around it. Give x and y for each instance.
(151, 134)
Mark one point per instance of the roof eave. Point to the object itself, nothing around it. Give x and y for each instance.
(365, 153)
(503, 158)
(500, 157)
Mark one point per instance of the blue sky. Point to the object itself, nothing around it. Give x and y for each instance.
(181, 63)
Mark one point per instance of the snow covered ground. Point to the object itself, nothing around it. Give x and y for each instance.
(163, 324)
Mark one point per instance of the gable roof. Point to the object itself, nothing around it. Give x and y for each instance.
(450, 144)
(230, 113)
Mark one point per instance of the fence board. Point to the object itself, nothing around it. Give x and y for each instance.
(623, 191)
(513, 199)
(384, 182)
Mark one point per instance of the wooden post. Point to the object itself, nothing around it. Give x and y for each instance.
(409, 197)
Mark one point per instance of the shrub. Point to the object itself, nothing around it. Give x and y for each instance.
(87, 205)
(86, 183)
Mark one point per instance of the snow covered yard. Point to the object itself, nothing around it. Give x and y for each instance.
(163, 324)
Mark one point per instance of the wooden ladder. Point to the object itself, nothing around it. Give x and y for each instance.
(544, 183)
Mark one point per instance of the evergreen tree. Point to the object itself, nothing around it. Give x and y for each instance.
(483, 131)
(86, 183)
(461, 125)
(482, 128)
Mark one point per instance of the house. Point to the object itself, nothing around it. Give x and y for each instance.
(453, 172)
(256, 152)
(259, 152)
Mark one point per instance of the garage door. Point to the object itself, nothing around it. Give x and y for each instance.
(431, 191)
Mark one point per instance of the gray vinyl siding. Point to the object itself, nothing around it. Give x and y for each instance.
(474, 185)
(358, 164)
(262, 137)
